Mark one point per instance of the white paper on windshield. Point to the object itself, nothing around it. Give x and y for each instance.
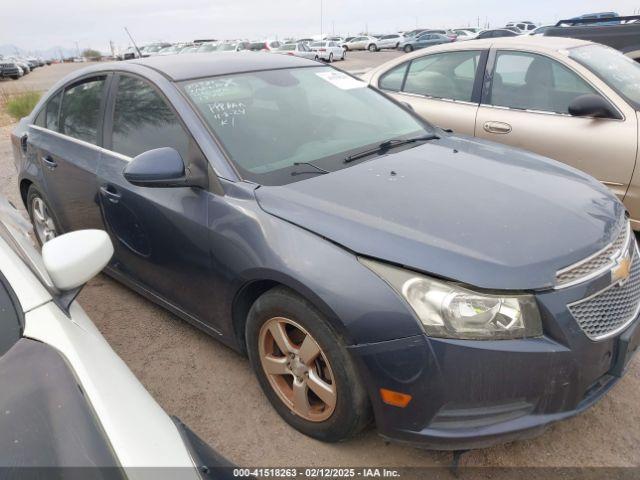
(341, 80)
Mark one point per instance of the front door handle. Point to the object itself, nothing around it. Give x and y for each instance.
(110, 193)
(49, 162)
(497, 127)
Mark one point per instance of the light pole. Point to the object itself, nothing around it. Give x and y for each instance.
(320, 19)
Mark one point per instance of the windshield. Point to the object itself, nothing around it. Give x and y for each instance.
(619, 71)
(269, 120)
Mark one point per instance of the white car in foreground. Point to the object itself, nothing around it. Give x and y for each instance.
(328, 51)
(66, 399)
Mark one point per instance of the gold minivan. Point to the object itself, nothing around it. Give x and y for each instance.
(572, 100)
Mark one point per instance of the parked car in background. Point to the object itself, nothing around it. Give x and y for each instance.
(189, 49)
(208, 47)
(73, 402)
(570, 100)
(621, 33)
(153, 48)
(521, 27)
(10, 69)
(233, 46)
(462, 35)
(173, 49)
(363, 42)
(496, 33)
(22, 63)
(423, 40)
(389, 41)
(298, 49)
(601, 18)
(367, 262)
(264, 46)
(540, 30)
(328, 51)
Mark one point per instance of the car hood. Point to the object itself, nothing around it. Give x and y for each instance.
(472, 211)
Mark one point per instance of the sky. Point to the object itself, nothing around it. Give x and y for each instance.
(39, 25)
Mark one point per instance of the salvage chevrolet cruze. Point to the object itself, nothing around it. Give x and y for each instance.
(459, 292)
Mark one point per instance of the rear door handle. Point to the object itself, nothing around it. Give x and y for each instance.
(49, 162)
(497, 127)
(110, 193)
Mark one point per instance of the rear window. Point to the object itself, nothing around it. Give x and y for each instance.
(617, 70)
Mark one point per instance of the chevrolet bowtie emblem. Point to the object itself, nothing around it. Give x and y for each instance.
(621, 271)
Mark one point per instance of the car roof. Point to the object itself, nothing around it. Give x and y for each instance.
(520, 41)
(198, 65)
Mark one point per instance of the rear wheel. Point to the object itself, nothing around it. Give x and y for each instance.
(304, 368)
(344, 54)
(331, 57)
(44, 224)
(408, 48)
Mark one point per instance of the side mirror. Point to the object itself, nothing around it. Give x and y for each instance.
(161, 167)
(72, 259)
(591, 105)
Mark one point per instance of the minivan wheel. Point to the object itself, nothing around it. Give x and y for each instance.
(407, 48)
(304, 368)
(43, 222)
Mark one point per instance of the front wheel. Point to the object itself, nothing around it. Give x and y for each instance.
(373, 48)
(407, 48)
(304, 368)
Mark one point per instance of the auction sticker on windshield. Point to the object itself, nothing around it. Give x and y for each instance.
(341, 80)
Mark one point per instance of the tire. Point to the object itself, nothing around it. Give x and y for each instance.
(33, 196)
(372, 48)
(351, 411)
(330, 58)
(346, 49)
(344, 54)
(408, 48)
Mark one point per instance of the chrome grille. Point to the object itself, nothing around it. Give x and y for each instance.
(595, 264)
(612, 309)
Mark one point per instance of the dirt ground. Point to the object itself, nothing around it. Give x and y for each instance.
(213, 390)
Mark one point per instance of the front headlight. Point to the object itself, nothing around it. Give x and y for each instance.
(450, 311)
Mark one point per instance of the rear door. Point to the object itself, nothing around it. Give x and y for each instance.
(443, 87)
(526, 105)
(66, 144)
(160, 235)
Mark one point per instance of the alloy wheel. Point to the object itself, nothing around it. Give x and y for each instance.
(43, 221)
(297, 369)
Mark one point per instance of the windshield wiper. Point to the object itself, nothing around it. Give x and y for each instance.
(384, 146)
(320, 170)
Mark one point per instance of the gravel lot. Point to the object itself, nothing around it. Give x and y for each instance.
(212, 389)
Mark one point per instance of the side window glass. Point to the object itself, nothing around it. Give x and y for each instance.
(80, 114)
(445, 75)
(527, 81)
(392, 80)
(142, 120)
(51, 113)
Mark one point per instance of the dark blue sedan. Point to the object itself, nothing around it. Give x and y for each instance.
(372, 266)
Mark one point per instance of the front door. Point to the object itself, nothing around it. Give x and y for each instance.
(160, 235)
(66, 144)
(527, 107)
(444, 88)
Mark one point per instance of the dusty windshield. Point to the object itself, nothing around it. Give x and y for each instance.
(270, 120)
